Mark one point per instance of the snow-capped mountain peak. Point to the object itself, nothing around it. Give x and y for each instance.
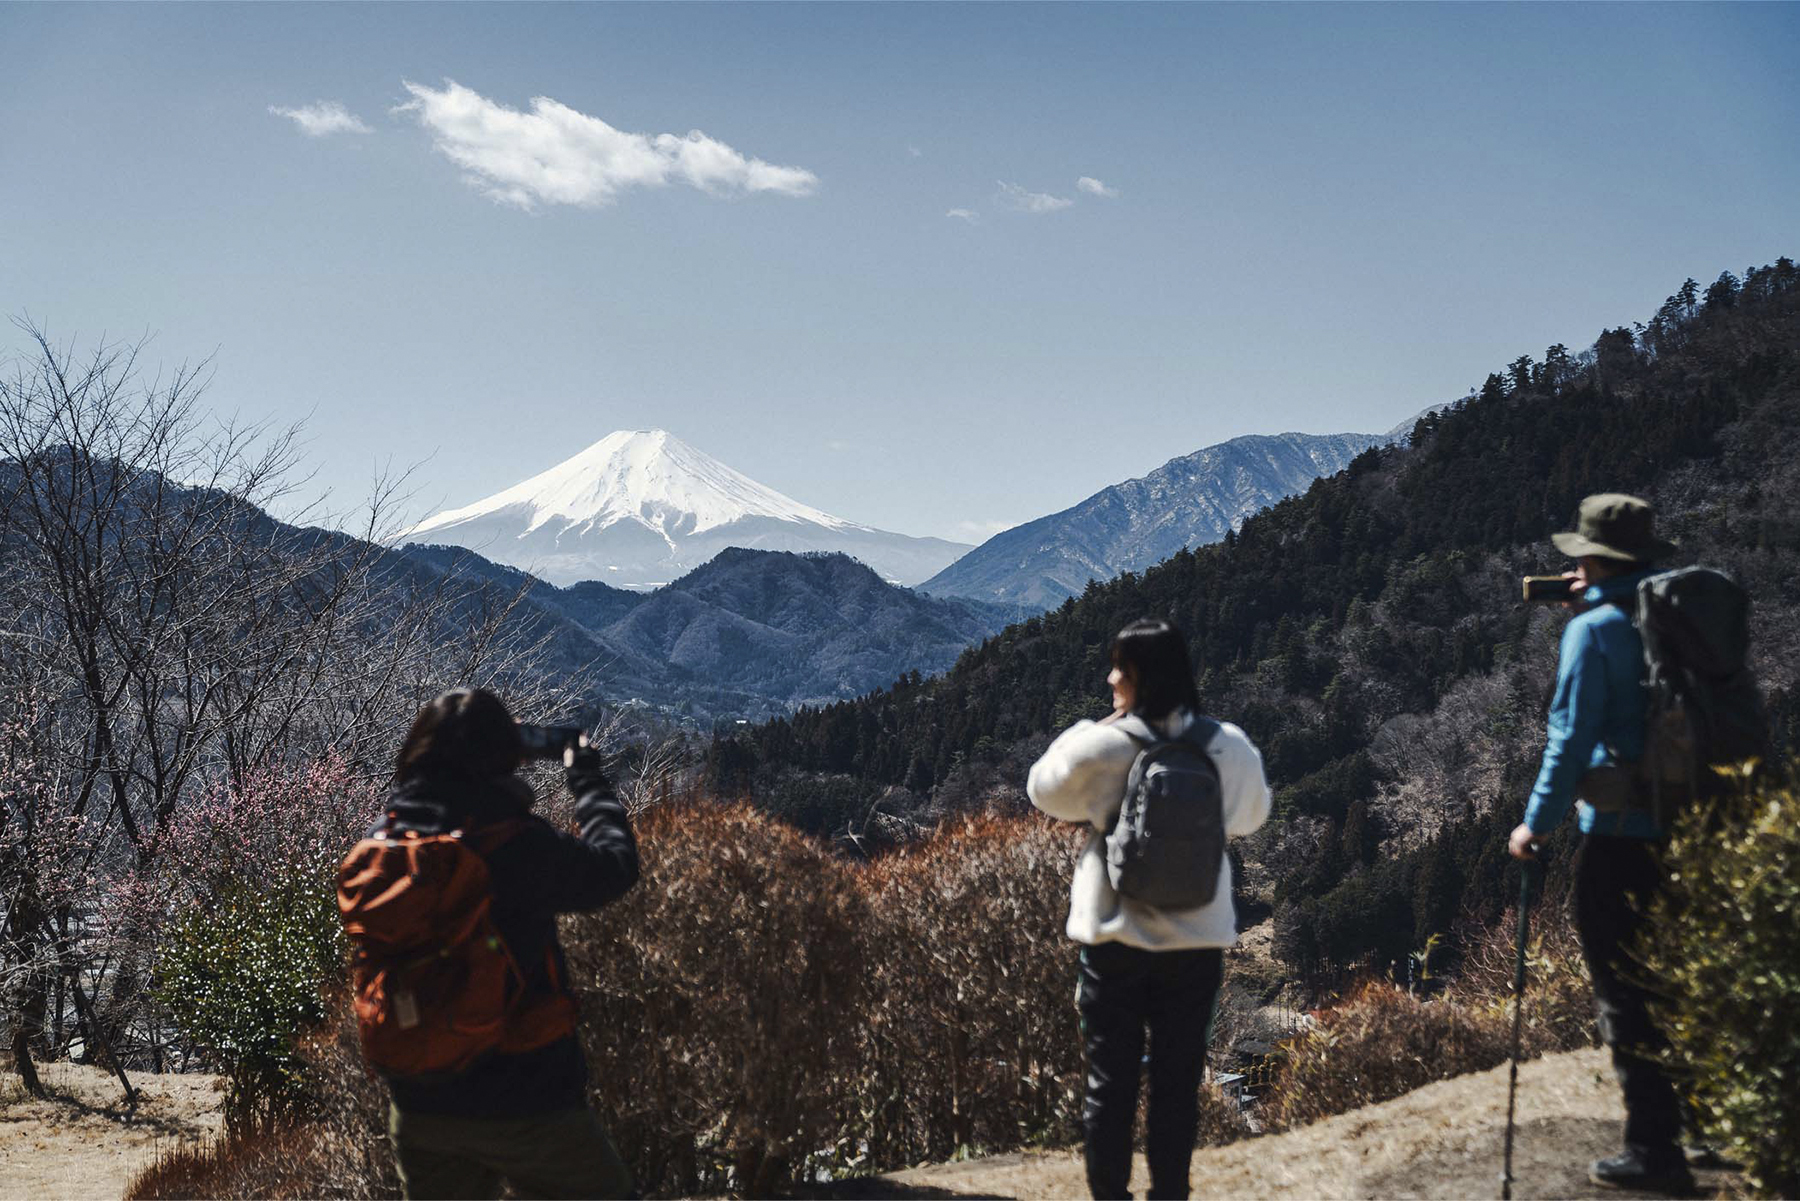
(648, 476)
(641, 507)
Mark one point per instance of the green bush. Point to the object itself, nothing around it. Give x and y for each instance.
(1727, 947)
(243, 975)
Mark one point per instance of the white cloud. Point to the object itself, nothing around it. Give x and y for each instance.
(968, 215)
(322, 117)
(556, 155)
(1094, 187)
(915, 151)
(1013, 196)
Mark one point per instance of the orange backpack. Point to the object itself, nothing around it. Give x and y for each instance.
(434, 984)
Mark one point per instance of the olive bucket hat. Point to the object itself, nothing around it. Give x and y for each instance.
(1612, 525)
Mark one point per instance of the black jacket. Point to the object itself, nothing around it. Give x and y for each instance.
(537, 873)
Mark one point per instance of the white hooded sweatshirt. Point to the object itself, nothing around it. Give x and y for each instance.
(1081, 778)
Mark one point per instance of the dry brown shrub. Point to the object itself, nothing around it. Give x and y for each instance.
(1379, 1043)
(759, 1010)
(972, 1037)
(1559, 996)
(721, 1000)
(261, 1164)
(1382, 1041)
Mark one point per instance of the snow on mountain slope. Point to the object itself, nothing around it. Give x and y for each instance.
(648, 476)
(1128, 526)
(641, 507)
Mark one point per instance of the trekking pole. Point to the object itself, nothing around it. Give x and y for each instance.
(1526, 868)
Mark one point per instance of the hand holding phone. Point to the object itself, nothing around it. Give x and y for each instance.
(549, 742)
(1549, 589)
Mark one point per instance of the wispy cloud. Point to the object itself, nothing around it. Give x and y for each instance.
(969, 215)
(1014, 196)
(915, 151)
(1093, 187)
(556, 155)
(322, 117)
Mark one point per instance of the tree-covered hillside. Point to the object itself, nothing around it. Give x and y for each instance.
(1367, 633)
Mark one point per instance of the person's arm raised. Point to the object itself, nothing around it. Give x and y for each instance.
(599, 863)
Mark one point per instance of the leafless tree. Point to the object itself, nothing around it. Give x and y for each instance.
(171, 635)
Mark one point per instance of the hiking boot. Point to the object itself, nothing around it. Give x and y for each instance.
(1632, 1169)
(1709, 1159)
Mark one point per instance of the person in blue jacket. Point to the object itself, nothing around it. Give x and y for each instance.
(1596, 732)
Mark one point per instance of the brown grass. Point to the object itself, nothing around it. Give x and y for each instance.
(339, 1150)
(1381, 1041)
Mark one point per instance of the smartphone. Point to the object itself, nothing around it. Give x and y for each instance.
(549, 742)
(1547, 589)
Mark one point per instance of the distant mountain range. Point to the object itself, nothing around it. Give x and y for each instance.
(749, 633)
(1186, 502)
(639, 509)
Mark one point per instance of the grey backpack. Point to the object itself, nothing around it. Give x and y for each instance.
(1164, 847)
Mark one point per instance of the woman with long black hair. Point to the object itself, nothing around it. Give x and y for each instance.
(1144, 969)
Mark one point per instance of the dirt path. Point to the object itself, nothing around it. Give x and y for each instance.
(1443, 1140)
(81, 1141)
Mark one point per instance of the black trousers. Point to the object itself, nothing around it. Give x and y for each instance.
(1126, 992)
(1615, 879)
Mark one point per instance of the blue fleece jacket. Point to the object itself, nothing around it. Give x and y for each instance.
(1598, 714)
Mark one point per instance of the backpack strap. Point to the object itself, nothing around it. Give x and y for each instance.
(1139, 730)
(1200, 732)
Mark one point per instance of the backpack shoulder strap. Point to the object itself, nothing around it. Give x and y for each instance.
(1202, 732)
(1139, 730)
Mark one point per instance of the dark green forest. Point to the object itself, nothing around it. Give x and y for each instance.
(1367, 634)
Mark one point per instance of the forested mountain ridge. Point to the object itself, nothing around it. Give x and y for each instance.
(1189, 501)
(1367, 634)
(748, 634)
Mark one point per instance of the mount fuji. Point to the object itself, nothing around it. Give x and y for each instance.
(640, 508)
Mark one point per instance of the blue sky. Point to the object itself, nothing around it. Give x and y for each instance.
(1305, 217)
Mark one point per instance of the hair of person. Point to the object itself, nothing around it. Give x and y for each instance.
(1154, 654)
(464, 732)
